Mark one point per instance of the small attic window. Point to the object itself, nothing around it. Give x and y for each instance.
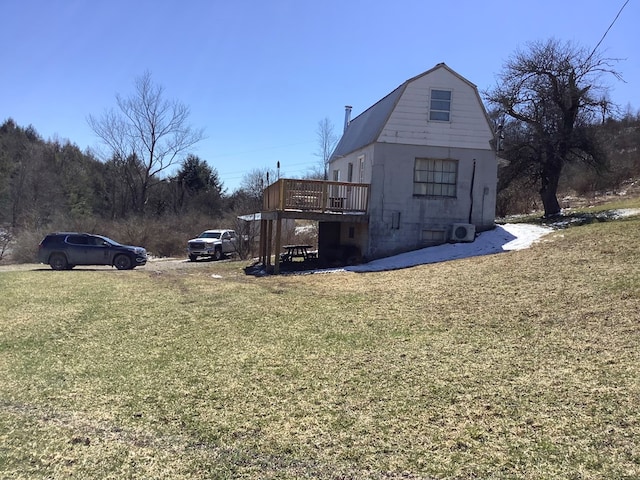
(440, 105)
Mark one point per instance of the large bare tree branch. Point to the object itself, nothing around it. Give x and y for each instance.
(149, 127)
(553, 89)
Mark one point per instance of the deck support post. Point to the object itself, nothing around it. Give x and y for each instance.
(263, 242)
(270, 237)
(278, 244)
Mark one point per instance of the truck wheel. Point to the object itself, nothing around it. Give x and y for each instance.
(193, 258)
(217, 255)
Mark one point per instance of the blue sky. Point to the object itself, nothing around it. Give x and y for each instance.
(258, 75)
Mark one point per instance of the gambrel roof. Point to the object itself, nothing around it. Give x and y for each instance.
(366, 128)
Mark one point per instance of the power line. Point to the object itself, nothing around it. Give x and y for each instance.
(309, 164)
(607, 31)
(258, 150)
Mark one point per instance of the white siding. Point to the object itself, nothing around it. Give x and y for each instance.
(342, 165)
(409, 123)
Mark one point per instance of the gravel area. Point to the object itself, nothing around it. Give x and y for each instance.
(155, 264)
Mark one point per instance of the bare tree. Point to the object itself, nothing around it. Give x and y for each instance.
(253, 184)
(553, 94)
(327, 141)
(148, 127)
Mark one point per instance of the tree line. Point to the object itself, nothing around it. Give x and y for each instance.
(45, 183)
(53, 185)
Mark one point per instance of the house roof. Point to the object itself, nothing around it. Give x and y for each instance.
(364, 129)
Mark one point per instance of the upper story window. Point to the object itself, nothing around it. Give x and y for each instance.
(440, 105)
(435, 177)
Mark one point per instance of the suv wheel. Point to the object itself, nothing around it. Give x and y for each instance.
(122, 262)
(58, 261)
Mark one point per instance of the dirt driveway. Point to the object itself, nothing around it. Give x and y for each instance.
(156, 264)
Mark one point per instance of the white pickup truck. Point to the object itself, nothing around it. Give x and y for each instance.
(213, 244)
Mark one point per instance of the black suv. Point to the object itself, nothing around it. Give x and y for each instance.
(65, 250)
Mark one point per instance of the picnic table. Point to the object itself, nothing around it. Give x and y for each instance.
(297, 251)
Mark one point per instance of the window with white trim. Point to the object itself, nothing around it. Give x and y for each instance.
(435, 177)
(361, 169)
(440, 105)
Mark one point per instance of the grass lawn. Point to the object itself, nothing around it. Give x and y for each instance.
(519, 365)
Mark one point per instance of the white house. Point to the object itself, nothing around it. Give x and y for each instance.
(426, 151)
(416, 169)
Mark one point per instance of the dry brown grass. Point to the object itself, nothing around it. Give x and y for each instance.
(519, 365)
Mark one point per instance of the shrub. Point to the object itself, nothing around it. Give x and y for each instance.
(162, 237)
(24, 247)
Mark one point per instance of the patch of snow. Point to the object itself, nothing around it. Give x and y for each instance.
(305, 229)
(503, 238)
(625, 212)
(584, 218)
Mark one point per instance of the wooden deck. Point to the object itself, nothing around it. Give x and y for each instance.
(317, 200)
(316, 196)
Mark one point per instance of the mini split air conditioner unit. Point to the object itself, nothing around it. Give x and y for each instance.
(463, 232)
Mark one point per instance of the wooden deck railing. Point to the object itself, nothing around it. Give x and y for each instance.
(316, 196)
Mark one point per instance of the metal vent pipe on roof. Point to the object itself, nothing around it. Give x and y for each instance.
(347, 116)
